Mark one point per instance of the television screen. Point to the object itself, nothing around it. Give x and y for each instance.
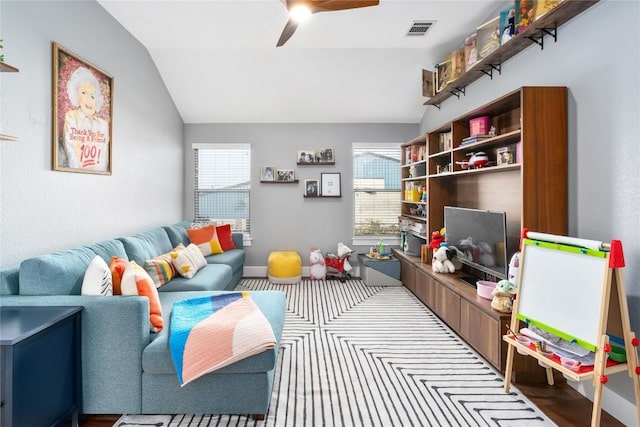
(481, 235)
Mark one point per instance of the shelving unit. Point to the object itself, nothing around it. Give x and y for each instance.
(6, 68)
(413, 213)
(546, 25)
(532, 192)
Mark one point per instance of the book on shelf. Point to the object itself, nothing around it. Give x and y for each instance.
(508, 19)
(473, 139)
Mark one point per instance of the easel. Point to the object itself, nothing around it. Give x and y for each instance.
(613, 320)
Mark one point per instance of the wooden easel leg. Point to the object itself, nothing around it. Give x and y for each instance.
(550, 379)
(508, 368)
(598, 373)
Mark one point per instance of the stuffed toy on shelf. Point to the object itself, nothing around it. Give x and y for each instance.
(441, 262)
(503, 296)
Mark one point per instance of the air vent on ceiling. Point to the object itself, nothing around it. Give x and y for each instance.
(419, 28)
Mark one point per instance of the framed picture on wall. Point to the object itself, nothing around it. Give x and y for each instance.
(82, 115)
(285, 175)
(267, 173)
(326, 155)
(311, 188)
(306, 157)
(330, 184)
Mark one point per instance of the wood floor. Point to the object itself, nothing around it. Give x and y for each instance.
(565, 406)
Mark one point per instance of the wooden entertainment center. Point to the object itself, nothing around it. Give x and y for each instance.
(531, 188)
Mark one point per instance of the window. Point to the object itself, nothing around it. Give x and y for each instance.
(222, 185)
(376, 188)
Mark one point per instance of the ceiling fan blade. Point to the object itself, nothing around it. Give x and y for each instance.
(329, 5)
(287, 32)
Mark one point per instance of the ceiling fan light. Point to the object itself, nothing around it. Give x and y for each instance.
(300, 13)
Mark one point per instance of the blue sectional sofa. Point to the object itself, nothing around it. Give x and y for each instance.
(126, 368)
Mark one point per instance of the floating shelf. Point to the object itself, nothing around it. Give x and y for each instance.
(4, 137)
(295, 181)
(317, 164)
(6, 68)
(546, 25)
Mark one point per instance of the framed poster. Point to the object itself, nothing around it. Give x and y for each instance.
(306, 157)
(286, 175)
(326, 155)
(330, 184)
(82, 115)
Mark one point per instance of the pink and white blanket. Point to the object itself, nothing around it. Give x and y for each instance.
(208, 333)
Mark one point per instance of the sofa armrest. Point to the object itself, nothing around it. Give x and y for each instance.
(238, 240)
(115, 331)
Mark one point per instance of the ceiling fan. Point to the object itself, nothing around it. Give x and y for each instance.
(314, 6)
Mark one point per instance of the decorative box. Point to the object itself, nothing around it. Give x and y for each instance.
(479, 126)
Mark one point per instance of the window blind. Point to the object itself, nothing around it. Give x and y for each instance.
(222, 187)
(376, 186)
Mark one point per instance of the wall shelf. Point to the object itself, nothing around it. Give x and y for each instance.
(6, 68)
(4, 137)
(546, 25)
(317, 164)
(295, 181)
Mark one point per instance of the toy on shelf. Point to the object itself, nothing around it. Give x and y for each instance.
(503, 296)
(437, 238)
(441, 262)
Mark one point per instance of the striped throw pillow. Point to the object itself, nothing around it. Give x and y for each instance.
(160, 268)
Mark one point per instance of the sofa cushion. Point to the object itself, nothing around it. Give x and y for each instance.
(161, 269)
(57, 273)
(143, 246)
(234, 258)
(156, 357)
(117, 266)
(225, 237)
(136, 281)
(97, 279)
(188, 260)
(9, 279)
(108, 249)
(206, 239)
(212, 277)
(178, 233)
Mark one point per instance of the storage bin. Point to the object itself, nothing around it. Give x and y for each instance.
(479, 126)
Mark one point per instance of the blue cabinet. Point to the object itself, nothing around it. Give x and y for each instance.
(41, 383)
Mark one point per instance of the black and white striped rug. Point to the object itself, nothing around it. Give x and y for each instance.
(354, 355)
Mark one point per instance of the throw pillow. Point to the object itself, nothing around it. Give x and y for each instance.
(117, 266)
(136, 281)
(160, 268)
(206, 239)
(188, 260)
(225, 237)
(97, 278)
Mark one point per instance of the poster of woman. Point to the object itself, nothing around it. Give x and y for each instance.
(82, 115)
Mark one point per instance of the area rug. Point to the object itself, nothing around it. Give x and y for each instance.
(355, 355)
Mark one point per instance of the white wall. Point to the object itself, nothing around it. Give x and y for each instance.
(281, 218)
(597, 58)
(42, 210)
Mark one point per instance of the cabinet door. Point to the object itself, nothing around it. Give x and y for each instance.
(408, 275)
(447, 306)
(482, 332)
(425, 289)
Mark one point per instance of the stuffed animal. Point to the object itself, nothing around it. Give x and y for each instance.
(318, 268)
(436, 239)
(440, 262)
(503, 296)
(455, 255)
(343, 251)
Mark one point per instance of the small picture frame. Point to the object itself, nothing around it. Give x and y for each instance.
(285, 175)
(267, 173)
(326, 155)
(330, 184)
(306, 157)
(443, 74)
(311, 188)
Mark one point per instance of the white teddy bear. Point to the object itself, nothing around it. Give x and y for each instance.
(441, 263)
(317, 269)
(344, 250)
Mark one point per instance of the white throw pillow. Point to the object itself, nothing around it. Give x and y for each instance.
(188, 260)
(97, 279)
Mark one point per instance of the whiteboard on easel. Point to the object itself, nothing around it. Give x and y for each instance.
(562, 290)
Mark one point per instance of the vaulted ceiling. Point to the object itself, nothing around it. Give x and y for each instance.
(220, 63)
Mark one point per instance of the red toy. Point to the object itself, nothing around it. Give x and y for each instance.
(436, 239)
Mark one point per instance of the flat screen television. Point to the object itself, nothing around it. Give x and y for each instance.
(481, 235)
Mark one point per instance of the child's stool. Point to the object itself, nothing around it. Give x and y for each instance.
(284, 267)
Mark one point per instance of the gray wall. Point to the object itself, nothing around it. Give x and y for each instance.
(42, 210)
(600, 67)
(281, 218)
